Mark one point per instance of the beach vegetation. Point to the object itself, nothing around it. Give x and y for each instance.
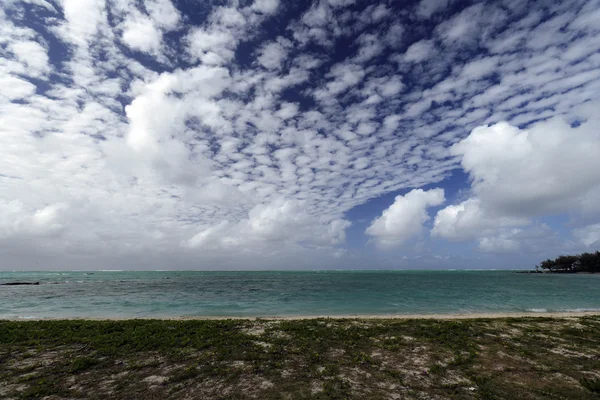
(585, 262)
(591, 384)
(510, 358)
(82, 364)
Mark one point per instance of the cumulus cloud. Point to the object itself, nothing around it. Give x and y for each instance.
(547, 168)
(404, 219)
(468, 220)
(520, 174)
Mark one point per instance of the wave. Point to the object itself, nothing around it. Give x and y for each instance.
(545, 310)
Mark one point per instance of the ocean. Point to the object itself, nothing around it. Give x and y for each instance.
(141, 294)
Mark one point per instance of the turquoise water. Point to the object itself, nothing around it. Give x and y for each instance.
(192, 293)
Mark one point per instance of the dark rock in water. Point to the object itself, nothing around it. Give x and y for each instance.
(19, 283)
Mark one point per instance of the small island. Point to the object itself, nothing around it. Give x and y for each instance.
(580, 263)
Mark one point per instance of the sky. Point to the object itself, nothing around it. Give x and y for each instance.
(268, 134)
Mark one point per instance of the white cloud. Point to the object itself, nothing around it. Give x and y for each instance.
(504, 242)
(419, 51)
(405, 218)
(41, 3)
(479, 68)
(392, 87)
(394, 35)
(533, 240)
(33, 56)
(468, 220)
(157, 130)
(83, 17)
(548, 168)
(273, 54)
(266, 6)
(216, 41)
(427, 8)
(14, 88)
(17, 221)
(212, 47)
(467, 26)
(145, 151)
(588, 235)
(342, 77)
(370, 46)
(141, 34)
(163, 13)
(518, 175)
(275, 226)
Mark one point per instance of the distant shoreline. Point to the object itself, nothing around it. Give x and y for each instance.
(499, 315)
(557, 272)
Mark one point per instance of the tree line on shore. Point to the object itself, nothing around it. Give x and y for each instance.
(586, 262)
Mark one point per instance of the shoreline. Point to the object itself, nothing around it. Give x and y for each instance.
(454, 316)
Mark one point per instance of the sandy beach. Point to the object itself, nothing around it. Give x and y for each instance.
(416, 316)
(463, 316)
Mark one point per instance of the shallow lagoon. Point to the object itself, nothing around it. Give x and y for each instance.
(278, 293)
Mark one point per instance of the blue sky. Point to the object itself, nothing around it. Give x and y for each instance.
(270, 134)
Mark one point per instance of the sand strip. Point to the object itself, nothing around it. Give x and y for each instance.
(568, 314)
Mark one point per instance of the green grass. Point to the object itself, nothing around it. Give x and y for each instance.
(513, 358)
(82, 364)
(593, 385)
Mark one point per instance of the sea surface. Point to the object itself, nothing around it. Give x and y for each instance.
(192, 293)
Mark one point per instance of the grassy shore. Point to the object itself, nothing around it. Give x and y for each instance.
(484, 358)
